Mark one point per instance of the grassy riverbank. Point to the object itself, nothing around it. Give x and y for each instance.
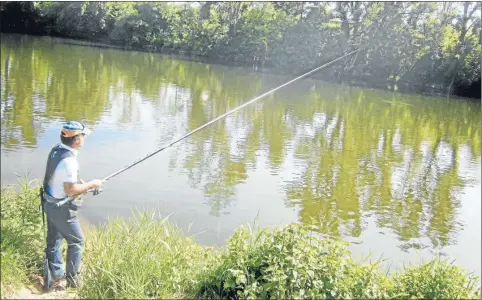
(149, 257)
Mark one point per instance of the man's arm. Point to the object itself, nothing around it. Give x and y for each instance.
(72, 189)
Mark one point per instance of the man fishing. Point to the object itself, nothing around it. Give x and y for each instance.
(61, 201)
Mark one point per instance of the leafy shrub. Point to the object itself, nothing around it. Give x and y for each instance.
(290, 263)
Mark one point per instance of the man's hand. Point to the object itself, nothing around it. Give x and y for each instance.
(96, 183)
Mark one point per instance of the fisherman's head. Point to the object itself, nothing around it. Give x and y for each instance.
(73, 134)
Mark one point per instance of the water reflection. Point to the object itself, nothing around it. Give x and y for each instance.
(354, 153)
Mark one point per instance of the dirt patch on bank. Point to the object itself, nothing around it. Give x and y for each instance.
(34, 291)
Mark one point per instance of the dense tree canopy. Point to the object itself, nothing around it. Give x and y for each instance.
(415, 44)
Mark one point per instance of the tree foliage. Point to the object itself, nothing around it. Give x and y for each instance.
(403, 43)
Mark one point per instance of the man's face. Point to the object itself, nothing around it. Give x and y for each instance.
(79, 141)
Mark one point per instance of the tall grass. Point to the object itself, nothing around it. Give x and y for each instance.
(149, 257)
(21, 239)
(438, 279)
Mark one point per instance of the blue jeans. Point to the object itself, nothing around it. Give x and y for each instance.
(63, 223)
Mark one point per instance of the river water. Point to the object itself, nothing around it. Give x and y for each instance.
(397, 175)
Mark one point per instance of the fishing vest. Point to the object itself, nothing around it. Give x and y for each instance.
(55, 157)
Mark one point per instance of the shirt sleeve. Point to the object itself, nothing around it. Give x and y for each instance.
(71, 168)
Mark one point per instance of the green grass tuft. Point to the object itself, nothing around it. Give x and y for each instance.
(438, 279)
(147, 257)
(21, 238)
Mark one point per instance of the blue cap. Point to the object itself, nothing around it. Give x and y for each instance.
(74, 128)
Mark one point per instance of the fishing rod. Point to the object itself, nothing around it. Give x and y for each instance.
(221, 116)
